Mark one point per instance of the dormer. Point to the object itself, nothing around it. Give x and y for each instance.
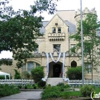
(56, 29)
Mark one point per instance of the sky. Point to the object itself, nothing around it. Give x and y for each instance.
(61, 5)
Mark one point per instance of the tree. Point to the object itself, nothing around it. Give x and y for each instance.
(91, 40)
(19, 30)
(17, 74)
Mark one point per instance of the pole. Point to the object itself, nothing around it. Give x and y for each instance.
(82, 46)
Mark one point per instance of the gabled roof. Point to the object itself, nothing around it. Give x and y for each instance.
(72, 27)
(67, 16)
(53, 18)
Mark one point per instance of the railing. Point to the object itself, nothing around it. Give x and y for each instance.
(56, 36)
(77, 83)
(16, 81)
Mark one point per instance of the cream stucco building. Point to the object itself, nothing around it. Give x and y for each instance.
(53, 52)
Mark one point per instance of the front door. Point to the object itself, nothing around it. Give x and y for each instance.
(56, 70)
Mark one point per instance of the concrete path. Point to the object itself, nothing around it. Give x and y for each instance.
(28, 95)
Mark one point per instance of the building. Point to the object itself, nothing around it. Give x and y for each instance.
(53, 50)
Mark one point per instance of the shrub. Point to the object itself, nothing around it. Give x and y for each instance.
(86, 90)
(25, 75)
(37, 74)
(65, 95)
(17, 75)
(6, 90)
(51, 92)
(75, 73)
(28, 86)
(41, 84)
(62, 86)
(35, 86)
(3, 77)
(20, 86)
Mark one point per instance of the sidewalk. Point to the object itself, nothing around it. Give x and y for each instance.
(28, 95)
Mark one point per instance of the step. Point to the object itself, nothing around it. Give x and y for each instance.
(54, 81)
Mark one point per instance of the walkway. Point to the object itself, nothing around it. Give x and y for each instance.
(28, 95)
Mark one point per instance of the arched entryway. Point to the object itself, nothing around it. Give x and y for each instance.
(55, 69)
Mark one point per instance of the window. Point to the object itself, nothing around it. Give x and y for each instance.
(30, 66)
(56, 47)
(73, 64)
(72, 45)
(88, 67)
(59, 29)
(53, 30)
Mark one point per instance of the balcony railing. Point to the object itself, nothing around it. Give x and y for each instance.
(56, 36)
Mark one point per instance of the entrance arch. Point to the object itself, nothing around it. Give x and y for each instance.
(55, 69)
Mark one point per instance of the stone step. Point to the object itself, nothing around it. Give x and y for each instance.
(54, 81)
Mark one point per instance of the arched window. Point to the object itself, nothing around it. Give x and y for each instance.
(30, 66)
(73, 64)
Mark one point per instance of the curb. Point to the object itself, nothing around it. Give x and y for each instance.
(31, 89)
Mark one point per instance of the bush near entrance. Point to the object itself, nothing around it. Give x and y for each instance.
(74, 73)
(37, 74)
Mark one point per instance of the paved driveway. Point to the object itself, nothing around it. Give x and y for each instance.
(29, 95)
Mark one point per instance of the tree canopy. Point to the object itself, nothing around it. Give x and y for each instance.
(91, 39)
(19, 30)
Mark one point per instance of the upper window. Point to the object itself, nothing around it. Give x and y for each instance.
(56, 47)
(59, 29)
(53, 30)
(72, 45)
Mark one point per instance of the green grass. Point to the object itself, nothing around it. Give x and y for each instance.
(71, 94)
